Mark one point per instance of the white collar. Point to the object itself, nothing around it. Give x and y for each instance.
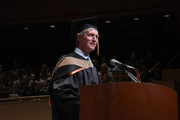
(80, 52)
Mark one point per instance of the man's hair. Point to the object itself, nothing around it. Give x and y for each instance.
(81, 34)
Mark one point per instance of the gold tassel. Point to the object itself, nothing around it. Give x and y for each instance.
(97, 48)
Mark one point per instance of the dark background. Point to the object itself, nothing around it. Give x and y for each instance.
(41, 44)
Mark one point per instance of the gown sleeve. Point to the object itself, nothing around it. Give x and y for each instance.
(65, 95)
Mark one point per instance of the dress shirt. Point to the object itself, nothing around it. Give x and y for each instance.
(80, 52)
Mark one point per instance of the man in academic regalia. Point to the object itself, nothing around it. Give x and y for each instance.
(72, 71)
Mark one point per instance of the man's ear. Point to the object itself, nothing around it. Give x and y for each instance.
(78, 39)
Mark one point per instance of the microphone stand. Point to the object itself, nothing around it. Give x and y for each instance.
(130, 75)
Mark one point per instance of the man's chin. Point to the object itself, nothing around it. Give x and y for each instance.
(92, 49)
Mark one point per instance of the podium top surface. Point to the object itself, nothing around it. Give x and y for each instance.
(129, 84)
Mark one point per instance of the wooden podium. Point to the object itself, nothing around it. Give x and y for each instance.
(128, 101)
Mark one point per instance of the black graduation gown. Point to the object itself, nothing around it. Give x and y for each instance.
(70, 73)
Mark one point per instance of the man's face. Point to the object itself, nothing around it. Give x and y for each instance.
(88, 42)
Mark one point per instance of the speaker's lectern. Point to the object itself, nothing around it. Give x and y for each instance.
(128, 101)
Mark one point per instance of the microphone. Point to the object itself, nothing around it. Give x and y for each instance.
(115, 62)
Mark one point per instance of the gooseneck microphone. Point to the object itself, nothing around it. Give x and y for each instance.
(115, 62)
(125, 66)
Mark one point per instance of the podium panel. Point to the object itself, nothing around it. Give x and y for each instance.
(128, 101)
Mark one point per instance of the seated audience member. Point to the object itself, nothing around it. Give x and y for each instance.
(105, 75)
(28, 75)
(16, 84)
(44, 73)
(96, 64)
(35, 88)
(44, 76)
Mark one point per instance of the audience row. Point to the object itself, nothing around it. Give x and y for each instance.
(28, 81)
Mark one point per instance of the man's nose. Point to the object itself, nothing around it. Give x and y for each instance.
(95, 38)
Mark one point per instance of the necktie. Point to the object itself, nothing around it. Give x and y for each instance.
(88, 59)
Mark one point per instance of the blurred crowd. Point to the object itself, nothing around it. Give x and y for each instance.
(27, 81)
(24, 81)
